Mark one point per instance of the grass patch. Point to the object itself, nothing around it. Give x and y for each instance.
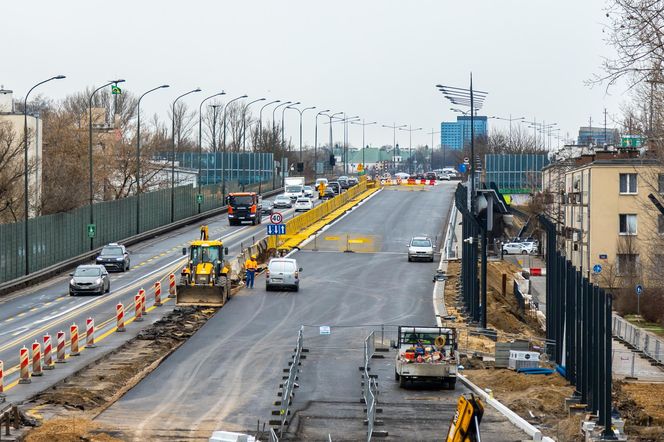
(649, 326)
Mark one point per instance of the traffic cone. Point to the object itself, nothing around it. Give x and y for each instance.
(48, 350)
(138, 313)
(36, 359)
(60, 355)
(171, 285)
(157, 294)
(73, 330)
(119, 313)
(90, 333)
(25, 366)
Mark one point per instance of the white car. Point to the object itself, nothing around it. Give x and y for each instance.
(402, 175)
(319, 181)
(420, 248)
(443, 176)
(308, 191)
(303, 204)
(282, 273)
(519, 248)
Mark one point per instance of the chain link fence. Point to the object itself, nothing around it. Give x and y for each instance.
(651, 346)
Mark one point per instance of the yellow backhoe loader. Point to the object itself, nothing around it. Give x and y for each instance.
(204, 280)
(465, 425)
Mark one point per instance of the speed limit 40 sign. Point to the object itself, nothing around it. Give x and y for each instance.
(276, 218)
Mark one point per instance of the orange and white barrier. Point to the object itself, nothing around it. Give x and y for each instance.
(48, 353)
(138, 312)
(171, 285)
(90, 333)
(536, 271)
(36, 359)
(119, 314)
(157, 294)
(60, 350)
(73, 330)
(407, 182)
(25, 366)
(2, 379)
(144, 310)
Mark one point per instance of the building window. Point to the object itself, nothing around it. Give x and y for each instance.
(627, 183)
(627, 224)
(660, 182)
(627, 264)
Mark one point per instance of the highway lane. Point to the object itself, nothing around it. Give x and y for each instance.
(226, 376)
(30, 313)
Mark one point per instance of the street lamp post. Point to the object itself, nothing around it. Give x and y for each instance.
(345, 120)
(200, 141)
(432, 133)
(510, 119)
(244, 136)
(260, 137)
(363, 144)
(138, 156)
(301, 112)
(283, 111)
(26, 205)
(223, 160)
(214, 139)
(173, 153)
(394, 128)
(274, 145)
(316, 142)
(410, 131)
(90, 152)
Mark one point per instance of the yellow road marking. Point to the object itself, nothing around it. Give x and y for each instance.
(21, 314)
(331, 238)
(59, 299)
(33, 309)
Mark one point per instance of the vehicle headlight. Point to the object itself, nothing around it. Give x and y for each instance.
(72, 282)
(98, 281)
(119, 259)
(99, 258)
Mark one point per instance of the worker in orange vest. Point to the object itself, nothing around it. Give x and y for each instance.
(251, 265)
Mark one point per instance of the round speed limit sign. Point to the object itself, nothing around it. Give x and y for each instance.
(276, 218)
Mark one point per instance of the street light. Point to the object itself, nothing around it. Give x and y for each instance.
(223, 160)
(432, 133)
(363, 126)
(244, 134)
(25, 152)
(510, 119)
(394, 128)
(301, 112)
(200, 142)
(410, 131)
(283, 111)
(90, 152)
(138, 157)
(345, 120)
(173, 153)
(274, 147)
(316, 141)
(260, 120)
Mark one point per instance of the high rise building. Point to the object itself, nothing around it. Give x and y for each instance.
(598, 136)
(456, 134)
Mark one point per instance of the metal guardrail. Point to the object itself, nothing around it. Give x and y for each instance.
(273, 436)
(450, 235)
(639, 339)
(289, 384)
(369, 385)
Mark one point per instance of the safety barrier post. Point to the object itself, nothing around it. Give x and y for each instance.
(171, 285)
(119, 314)
(73, 331)
(143, 302)
(48, 353)
(90, 333)
(157, 294)
(24, 359)
(36, 359)
(60, 357)
(138, 310)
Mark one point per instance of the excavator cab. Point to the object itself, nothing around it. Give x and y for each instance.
(203, 280)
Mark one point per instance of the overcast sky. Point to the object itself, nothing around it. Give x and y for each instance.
(378, 59)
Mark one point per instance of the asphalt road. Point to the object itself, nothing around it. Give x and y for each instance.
(226, 376)
(26, 315)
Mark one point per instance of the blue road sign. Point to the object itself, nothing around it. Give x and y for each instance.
(639, 289)
(276, 229)
(462, 168)
(597, 268)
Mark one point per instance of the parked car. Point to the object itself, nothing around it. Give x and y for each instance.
(309, 191)
(334, 185)
(520, 248)
(114, 256)
(343, 182)
(352, 181)
(329, 193)
(89, 279)
(303, 204)
(282, 202)
(419, 176)
(430, 176)
(268, 207)
(420, 247)
(282, 273)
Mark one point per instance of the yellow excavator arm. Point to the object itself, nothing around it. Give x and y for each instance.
(465, 425)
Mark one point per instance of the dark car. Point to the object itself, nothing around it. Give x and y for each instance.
(329, 193)
(353, 181)
(114, 257)
(334, 185)
(430, 176)
(89, 279)
(343, 182)
(268, 208)
(419, 176)
(282, 202)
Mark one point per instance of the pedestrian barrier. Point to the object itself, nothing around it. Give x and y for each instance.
(287, 392)
(638, 339)
(119, 315)
(370, 388)
(273, 436)
(48, 357)
(157, 294)
(450, 235)
(36, 359)
(90, 333)
(144, 310)
(73, 331)
(24, 359)
(171, 285)
(60, 357)
(138, 312)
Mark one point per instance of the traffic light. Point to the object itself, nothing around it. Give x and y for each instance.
(300, 167)
(333, 161)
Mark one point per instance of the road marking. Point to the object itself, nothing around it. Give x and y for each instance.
(20, 315)
(59, 299)
(34, 309)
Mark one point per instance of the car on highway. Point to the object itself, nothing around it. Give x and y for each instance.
(343, 182)
(443, 176)
(114, 256)
(282, 202)
(268, 207)
(89, 279)
(329, 193)
(282, 273)
(309, 191)
(303, 204)
(334, 185)
(352, 181)
(430, 176)
(519, 248)
(420, 248)
(402, 175)
(319, 181)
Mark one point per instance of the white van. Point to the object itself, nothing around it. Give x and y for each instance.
(282, 273)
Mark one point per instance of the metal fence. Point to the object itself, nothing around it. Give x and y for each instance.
(450, 249)
(578, 320)
(470, 284)
(651, 346)
(241, 167)
(58, 237)
(369, 385)
(289, 384)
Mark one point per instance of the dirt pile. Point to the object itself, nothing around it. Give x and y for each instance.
(641, 405)
(70, 430)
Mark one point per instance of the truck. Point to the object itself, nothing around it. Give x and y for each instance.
(244, 206)
(294, 187)
(428, 354)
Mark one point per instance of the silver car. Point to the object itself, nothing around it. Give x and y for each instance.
(420, 248)
(282, 273)
(89, 279)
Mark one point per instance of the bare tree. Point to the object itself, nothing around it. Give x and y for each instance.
(11, 172)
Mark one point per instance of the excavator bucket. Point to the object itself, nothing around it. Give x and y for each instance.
(202, 295)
